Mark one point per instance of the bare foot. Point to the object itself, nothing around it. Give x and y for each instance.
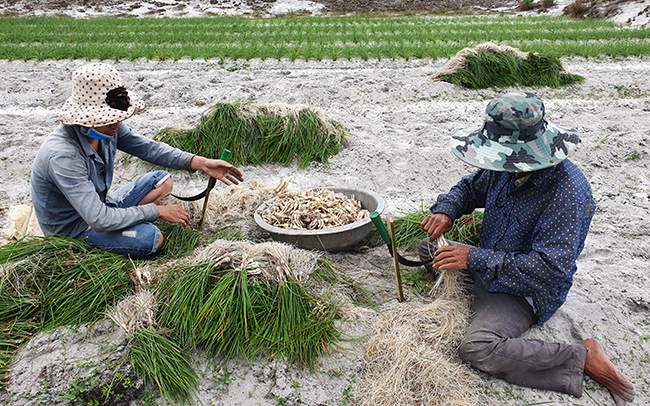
(601, 370)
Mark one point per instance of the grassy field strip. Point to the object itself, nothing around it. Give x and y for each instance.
(308, 38)
(259, 35)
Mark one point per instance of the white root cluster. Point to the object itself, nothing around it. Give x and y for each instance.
(313, 210)
(272, 261)
(134, 311)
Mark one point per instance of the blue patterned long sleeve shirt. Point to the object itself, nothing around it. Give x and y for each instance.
(531, 234)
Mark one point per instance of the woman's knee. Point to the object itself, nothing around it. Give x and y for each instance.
(158, 193)
(161, 240)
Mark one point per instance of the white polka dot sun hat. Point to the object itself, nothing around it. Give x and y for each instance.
(515, 137)
(98, 98)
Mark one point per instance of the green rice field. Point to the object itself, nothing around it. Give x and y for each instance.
(306, 38)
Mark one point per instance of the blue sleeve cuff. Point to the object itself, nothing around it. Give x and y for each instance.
(476, 260)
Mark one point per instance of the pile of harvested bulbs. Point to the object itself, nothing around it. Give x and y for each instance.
(313, 210)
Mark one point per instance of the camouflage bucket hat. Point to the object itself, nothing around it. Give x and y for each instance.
(515, 137)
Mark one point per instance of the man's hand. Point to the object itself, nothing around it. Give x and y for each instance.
(218, 169)
(436, 224)
(174, 214)
(451, 257)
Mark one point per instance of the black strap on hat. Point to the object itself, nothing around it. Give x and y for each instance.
(494, 128)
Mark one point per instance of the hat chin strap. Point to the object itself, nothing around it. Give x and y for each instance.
(496, 129)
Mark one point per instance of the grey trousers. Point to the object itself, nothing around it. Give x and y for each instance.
(492, 342)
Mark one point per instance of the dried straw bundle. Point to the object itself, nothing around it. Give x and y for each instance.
(413, 358)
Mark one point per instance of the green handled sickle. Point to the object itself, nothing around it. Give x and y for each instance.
(379, 224)
(206, 193)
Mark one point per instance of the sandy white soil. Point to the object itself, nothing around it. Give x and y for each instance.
(400, 126)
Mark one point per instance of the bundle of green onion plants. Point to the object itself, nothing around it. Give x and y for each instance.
(77, 285)
(259, 135)
(60, 281)
(52, 282)
(467, 230)
(12, 336)
(163, 362)
(300, 327)
(503, 69)
(231, 313)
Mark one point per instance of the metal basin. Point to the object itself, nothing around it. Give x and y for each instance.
(328, 239)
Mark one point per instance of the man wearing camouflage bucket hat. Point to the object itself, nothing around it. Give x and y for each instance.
(537, 211)
(73, 170)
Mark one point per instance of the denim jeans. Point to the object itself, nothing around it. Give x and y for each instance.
(493, 343)
(139, 240)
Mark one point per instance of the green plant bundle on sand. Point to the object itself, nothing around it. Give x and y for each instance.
(59, 281)
(259, 134)
(164, 363)
(491, 65)
(466, 230)
(50, 282)
(245, 299)
(233, 298)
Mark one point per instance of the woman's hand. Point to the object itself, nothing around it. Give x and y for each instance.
(174, 214)
(217, 169)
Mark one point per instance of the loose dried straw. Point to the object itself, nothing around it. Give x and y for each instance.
(229, 204)
(413, 357)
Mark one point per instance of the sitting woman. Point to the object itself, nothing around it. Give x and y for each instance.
(73, 170)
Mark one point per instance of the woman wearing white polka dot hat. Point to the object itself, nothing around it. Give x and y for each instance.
(73, 170)
(538, 208)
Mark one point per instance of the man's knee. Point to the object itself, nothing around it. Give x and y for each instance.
(478, 351)
(426, 249)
